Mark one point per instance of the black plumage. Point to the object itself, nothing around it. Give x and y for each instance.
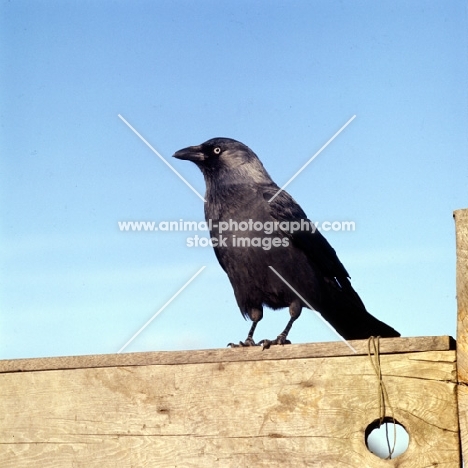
(239, 191)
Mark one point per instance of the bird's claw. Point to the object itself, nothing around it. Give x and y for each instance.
(280, 340)
(244, 344)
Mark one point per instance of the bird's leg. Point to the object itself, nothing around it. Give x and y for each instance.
(295, 309)
(250, 341)
(256, 315)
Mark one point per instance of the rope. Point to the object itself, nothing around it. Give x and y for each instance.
(382, 394)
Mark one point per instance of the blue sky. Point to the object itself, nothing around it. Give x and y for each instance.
(281, 77)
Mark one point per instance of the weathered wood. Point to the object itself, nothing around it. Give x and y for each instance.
(301, 412)
(332, 349)
(461, 228)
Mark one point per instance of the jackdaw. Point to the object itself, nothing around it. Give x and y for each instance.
(270, 250)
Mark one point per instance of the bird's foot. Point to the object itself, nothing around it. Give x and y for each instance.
(244, 344)
(280, 340)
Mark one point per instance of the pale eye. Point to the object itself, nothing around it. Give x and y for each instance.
(217, 150)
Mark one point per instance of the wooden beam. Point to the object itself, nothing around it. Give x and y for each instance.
(461, 228)
(227, 411)
(307, 350)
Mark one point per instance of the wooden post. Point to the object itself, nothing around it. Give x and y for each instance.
(461, 226)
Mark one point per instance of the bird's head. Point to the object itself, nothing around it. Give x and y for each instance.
(219, 155)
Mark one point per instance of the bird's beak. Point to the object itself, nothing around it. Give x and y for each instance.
(192, 153)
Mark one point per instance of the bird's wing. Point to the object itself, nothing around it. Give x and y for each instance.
(319, 252)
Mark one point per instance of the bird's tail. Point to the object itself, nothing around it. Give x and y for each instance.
(344, 310)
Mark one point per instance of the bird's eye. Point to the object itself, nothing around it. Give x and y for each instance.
(217, 150)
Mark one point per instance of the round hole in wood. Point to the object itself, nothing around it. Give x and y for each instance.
(381, 439)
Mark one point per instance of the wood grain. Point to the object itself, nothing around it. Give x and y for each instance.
(301, 412)
(461, 229)
(308, 350)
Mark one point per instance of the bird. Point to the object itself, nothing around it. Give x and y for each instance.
(268, 262)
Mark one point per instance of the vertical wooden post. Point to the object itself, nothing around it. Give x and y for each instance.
(461, 227)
